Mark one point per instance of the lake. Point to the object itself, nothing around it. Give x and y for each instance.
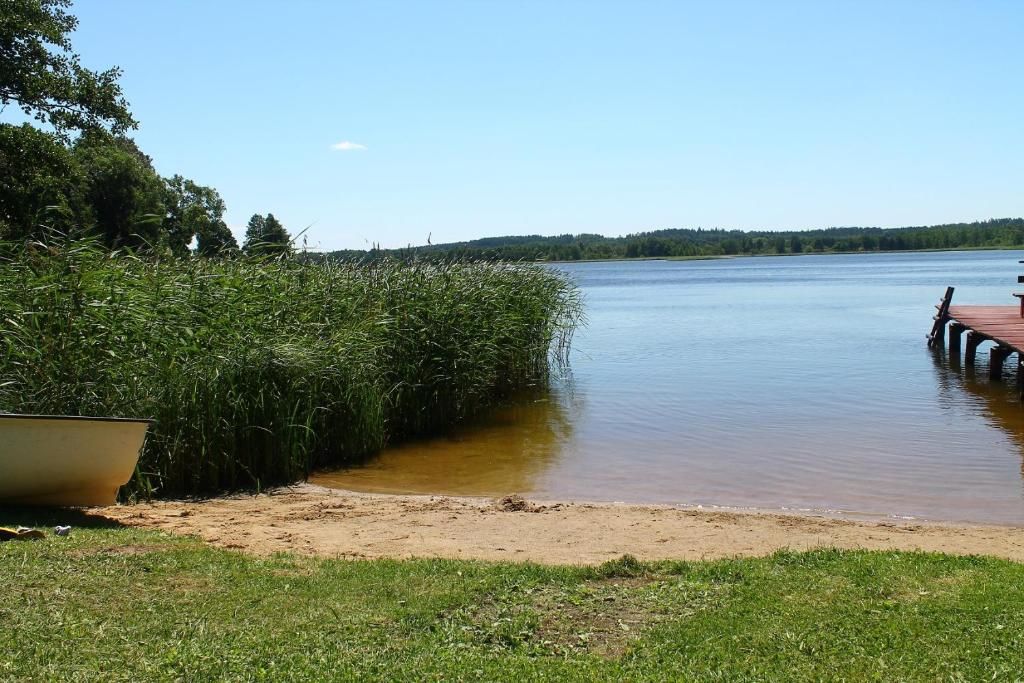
(797, 383)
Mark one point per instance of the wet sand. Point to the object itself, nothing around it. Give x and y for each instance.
(312, 520)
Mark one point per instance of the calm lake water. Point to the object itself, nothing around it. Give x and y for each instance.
(799, 383)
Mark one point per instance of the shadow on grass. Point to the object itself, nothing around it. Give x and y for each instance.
(17, 515)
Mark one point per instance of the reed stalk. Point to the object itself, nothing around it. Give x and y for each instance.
(258, 371)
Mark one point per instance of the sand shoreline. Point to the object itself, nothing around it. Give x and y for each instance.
(313, 520)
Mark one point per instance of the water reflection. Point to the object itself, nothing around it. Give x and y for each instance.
(998, 402)
(509, 451)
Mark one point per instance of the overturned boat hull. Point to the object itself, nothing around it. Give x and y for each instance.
(67, 461)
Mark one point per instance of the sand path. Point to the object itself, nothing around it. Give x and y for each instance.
(312, 520)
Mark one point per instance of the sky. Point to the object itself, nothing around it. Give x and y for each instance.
(398, 122)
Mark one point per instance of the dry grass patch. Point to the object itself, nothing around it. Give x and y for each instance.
(601, 617)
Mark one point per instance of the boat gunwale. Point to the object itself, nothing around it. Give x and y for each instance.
(76, 418)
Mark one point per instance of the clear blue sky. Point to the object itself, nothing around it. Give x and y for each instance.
(487, 118)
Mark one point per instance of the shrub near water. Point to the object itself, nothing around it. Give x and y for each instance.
(257, 372)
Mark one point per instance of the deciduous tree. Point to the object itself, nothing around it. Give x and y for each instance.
(125, 194)
(195, 210)
(42, 75)
(40, 184)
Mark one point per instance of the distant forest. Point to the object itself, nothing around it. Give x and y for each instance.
(991, 234)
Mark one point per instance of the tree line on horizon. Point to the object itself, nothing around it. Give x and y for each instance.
(677, 242)
(80, 174)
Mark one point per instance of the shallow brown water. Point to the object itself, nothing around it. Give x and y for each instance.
(782, 383)
(511, 450)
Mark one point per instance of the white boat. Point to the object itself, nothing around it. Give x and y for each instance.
(74, 461)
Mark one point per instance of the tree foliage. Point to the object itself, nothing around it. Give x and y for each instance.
(265, 235)
(40, 183)
(254, 230)
(103, 185)
(275, 234)
(124, 192)
(215, 239)
(42, 75)
(196, 211)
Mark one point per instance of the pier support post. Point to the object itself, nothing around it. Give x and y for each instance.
(971, 347)
(1020, 374)
(997, 354)
(955, 330)
(938, 333)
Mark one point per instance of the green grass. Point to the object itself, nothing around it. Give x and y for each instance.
(257, 371)
(119, 604)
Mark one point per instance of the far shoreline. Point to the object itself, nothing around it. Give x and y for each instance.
(714, 257)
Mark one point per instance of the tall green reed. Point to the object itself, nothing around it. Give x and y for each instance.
(259, 371)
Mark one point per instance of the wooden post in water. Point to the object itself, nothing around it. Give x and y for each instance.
(938, 333)
(996, 356)
(1020, 374)
(971, 347)
(955, 330)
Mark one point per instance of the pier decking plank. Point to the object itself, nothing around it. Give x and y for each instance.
(1002, 324)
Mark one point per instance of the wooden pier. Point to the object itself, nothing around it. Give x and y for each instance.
(1001, 325)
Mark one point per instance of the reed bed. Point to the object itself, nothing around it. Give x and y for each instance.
(256, 372)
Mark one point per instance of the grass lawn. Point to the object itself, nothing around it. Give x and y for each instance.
(114, 604)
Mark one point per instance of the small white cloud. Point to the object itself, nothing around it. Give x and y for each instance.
(346, 146)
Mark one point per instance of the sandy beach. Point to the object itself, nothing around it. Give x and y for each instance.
(312, 520)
